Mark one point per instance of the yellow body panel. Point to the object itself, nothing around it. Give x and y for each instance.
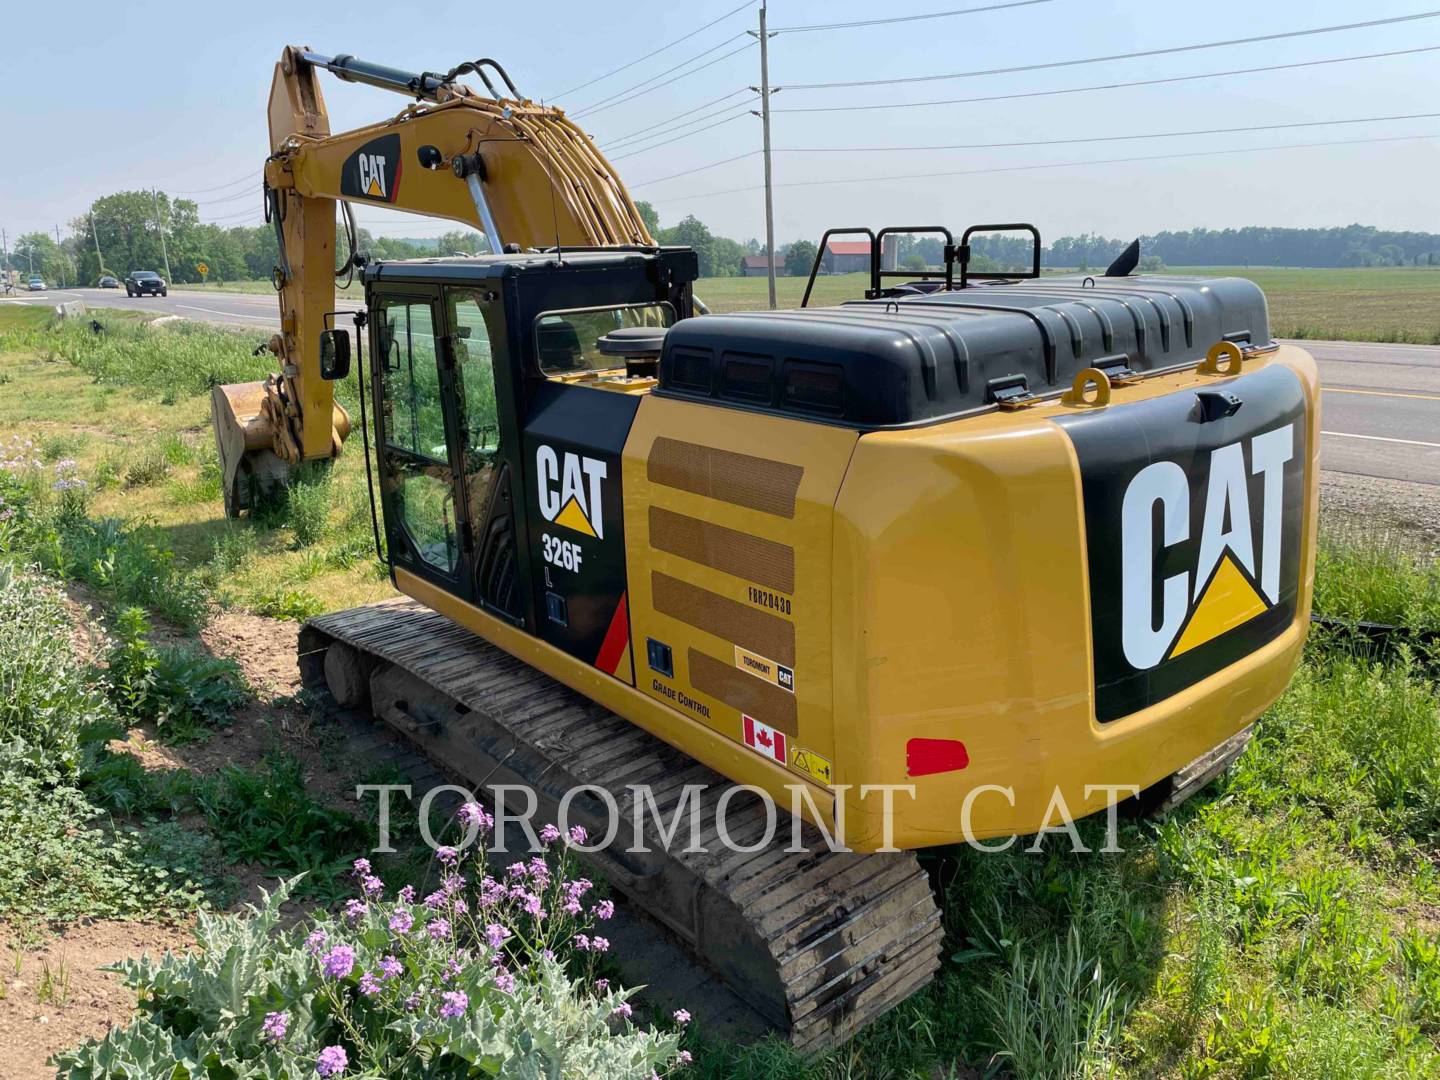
(962, 612)
(701, 627)
(939, 589)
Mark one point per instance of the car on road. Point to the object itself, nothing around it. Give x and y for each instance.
(36, 283)
(108, 282)
(145, 282)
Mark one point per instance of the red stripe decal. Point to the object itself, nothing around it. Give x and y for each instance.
(616, 638)
(924, 757)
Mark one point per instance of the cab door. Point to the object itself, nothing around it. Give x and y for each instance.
(417, 441)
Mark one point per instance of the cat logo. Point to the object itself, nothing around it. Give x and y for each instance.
(372, 175)
(1193, 533)
(570, 490)
(1231, 582)
(373, 171)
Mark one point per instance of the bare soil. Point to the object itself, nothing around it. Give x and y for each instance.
(81, 1001)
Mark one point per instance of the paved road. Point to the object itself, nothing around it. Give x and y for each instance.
(1381, 402)
(257, 310)
(1380, 409)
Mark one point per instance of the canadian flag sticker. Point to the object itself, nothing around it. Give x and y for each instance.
(765, 740)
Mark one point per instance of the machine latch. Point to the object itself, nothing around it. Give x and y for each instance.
(1010, 392)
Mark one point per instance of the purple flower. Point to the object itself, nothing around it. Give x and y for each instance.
(472, 813)
(549, 834)
(332, 1060)
(439, 929)
(504, 981)
(623, 1009)
(435, 900)
(532, 906)
(372, 885)
(451, 884)
(316, 941)
(447, 855)
(390, 967)
(682, 1016)
(407, 894)
(412, 1002)
(455, 1003)
(369, 984)
(605, 909)
(684, 1057)
(582, 942)
(361, 868)
(275, 1026)
(539, 872)
(491, 891)
(401, 921)
(339, 962)
(578, 834)
(602, 985)
(354, 909)
(495, 935)
(599, 944)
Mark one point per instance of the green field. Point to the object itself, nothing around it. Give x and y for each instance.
(1385, 304)
(1345, 305)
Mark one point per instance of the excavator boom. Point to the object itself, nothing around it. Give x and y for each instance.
(522, 174)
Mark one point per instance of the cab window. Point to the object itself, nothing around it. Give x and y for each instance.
(565, 340)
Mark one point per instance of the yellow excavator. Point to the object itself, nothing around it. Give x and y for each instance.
(969, 558)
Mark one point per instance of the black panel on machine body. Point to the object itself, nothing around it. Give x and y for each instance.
(912, 360)
(532, 409)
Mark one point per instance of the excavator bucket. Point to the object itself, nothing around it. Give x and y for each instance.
(244, 436)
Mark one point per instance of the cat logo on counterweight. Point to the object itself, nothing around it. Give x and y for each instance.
(1232, 582)
(1193, 530)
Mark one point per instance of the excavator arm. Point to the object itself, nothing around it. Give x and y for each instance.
(522, 174)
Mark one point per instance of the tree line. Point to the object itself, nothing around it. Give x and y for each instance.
(140, 230)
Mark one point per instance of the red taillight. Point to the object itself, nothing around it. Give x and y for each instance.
(924, 757)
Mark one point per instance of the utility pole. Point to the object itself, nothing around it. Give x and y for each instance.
(769, 187)
(4, 252)
(98, 257)
(61, 252)
(154, 194)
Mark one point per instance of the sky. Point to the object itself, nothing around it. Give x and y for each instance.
(106, 97)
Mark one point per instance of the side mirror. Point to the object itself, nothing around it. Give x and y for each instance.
(334, 354)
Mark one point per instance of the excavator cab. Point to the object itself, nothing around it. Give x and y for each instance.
(488, 370)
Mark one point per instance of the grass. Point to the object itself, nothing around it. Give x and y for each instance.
(1391, 304)
(130, 407)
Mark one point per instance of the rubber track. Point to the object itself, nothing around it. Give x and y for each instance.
(832, 940)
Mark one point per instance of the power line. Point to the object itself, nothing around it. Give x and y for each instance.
(205, 191)
(904, 18)
(242, 194)
(655, 52)
(1043, 142)
(583, 109)
(746, 111)
(1171, 50)
(725, 56)
(651, 129)
(1102, 138)
(1110, 86)
(698, 168)
(1054, 165)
